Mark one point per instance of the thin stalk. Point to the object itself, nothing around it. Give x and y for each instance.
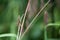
(8, 35)
(24, 18)
(19, 26)
(52, 24)
(35, 18)
(46, 22)
(45, 19)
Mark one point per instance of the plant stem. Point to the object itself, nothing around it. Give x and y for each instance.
(24, 19)
(35, 18)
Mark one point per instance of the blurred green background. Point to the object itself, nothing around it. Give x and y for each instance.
(11, 9)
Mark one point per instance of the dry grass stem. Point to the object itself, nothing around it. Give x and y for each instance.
(35, 18)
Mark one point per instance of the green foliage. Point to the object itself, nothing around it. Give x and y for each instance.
(11, 9)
